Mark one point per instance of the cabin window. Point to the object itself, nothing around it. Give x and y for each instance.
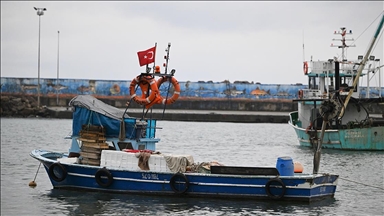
(110, 145)
(312, 83)
(354, 90)
(329, 84)
(346, 82)
(125, 145)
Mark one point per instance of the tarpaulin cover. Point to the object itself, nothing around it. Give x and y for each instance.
(94, 104)
(91, 111)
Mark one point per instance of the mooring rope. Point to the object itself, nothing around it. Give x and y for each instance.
(362, 183)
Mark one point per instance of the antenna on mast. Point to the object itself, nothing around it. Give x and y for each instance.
(343, 45)
(167, 58)
(303, 48)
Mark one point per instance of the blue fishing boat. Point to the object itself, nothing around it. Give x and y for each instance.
(113, 152)
(333, 88)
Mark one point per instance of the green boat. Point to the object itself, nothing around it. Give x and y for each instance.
(332, 112)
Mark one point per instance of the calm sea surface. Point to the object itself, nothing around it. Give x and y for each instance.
(360, 190)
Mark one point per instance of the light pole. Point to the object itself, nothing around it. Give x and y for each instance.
(57, 80)
(40, 12)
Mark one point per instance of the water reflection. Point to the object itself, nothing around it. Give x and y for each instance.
(99, 203)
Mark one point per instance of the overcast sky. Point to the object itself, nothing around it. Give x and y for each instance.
(246, 41)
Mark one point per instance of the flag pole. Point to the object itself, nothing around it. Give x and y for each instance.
(154, 61)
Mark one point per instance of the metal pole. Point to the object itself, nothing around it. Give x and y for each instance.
(317, 155)
(40, 12)
(38, 69)
(379, 80)
(154, 61)
(167, 58)
(369, 70)
(57, 80)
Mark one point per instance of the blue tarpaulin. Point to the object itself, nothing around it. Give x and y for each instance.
(91, 111)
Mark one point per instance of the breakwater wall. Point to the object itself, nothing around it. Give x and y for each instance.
(181, 104)
(200, 95)
(26, 106)
(214, 97)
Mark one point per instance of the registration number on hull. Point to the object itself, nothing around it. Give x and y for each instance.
(151, 176)
(354, 135)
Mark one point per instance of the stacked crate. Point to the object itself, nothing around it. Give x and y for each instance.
(92, 139)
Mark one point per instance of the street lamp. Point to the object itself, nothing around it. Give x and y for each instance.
(40, 12)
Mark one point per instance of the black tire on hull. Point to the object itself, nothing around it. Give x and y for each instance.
(57, 168)
(179, 179)
(278, 182)
(103, 172)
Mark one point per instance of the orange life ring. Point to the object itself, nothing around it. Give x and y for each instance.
(176, 87)
(305, 68)
(144, 82)
(301, 94)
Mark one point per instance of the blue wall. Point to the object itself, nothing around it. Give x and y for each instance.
(188, 89)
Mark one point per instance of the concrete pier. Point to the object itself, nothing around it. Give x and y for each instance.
(192, 115)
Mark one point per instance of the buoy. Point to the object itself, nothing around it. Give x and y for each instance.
(32, 184)
(298, 167)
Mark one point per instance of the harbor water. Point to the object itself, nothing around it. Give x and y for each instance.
(360, 188)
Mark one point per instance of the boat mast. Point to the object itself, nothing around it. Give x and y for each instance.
(343, 59)
(361, 66)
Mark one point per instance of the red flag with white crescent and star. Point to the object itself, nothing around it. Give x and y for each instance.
(147, 56)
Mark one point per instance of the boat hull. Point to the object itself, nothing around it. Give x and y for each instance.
(300, 187)
(369, 138)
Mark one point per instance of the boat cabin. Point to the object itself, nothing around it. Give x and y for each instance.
(96, 124)
(325, 78)
(329, 76)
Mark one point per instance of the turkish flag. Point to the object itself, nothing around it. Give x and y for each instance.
(147, 56)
